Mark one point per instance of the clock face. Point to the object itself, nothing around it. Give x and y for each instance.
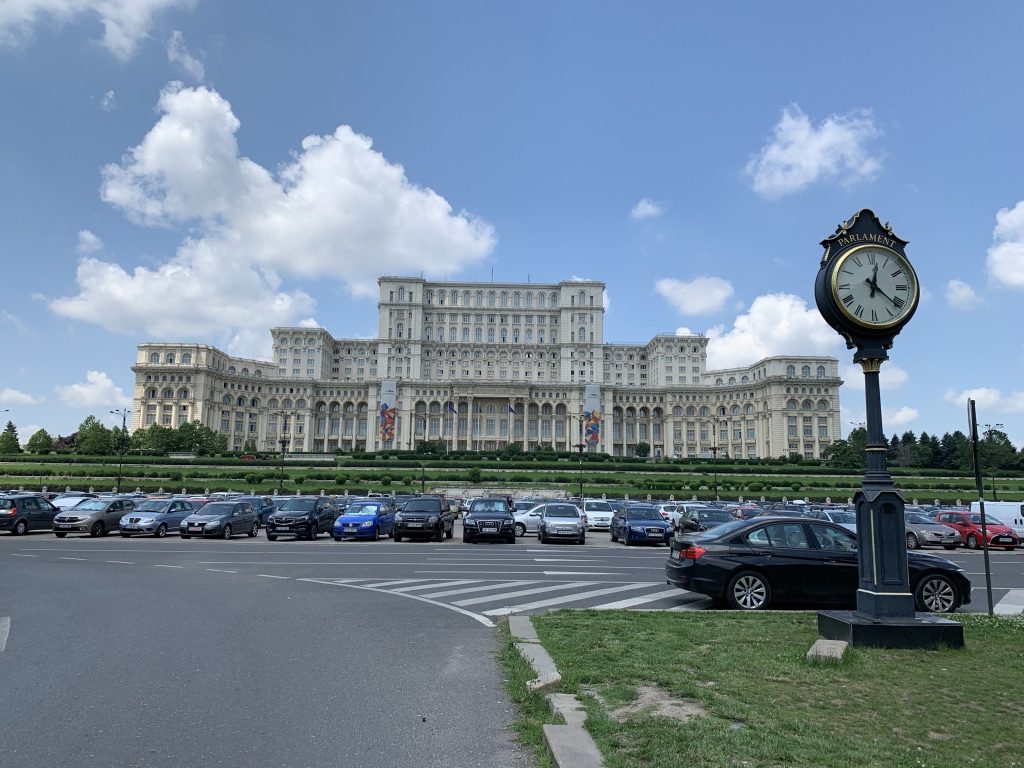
(874, 287)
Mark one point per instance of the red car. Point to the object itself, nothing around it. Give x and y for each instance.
(969, 526)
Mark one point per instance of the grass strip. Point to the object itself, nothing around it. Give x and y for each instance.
(534, 710)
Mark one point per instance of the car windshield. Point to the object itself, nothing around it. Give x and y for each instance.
(719, 531)
(597, 506)
(715, 515)
(850, 517)
(918, 519)
(6, 503)
(217, 508)
(298, 505)
(152, 506)
(91, 505)
(488, 506)
(362, 508)
(642, 513)
(989, 520)
(561, 510)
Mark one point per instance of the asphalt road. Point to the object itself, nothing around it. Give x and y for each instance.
(163, 652)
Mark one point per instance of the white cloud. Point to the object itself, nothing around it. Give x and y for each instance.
(775, 324)
(339, 210)
(109, 102)
(606, 300)
(700, 296)
(1005, 259)
(97, 391)
(988, 399)
(960, 295)
(88, 242)
(898, 418)
(12, 320)
(10, 396)
(801, 154)
(178, 53)
(125, 22)
(889, 377)
(646, 209)
(684, 331)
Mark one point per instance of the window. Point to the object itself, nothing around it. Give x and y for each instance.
(787, 535)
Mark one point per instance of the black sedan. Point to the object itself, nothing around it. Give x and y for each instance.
(489, 519)
(754, 564)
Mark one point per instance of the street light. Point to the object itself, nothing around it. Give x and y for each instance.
(580, 446)
(714, 449)
(123, 413)
(284, 444)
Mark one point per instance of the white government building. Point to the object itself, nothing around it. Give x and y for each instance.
(481, 365)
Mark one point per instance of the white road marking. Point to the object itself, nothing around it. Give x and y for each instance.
(522, 592)
(487, 588)
(168, 566)
(696, 605)
(392, 583)
(74, 558)
(5, 629)
(567, 598)
(436, 584)
(578, 573)
(119, 562)
(268, 576)
(220, 570)
(1012, 603)
(630, 602)
(18, 554)
(562, 559)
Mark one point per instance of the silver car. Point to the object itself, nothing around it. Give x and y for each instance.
(528, 520)
(97, 517)
(924, 531)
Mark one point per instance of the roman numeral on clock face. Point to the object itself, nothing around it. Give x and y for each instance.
(848, 299)
(898, 302)
(859, 311)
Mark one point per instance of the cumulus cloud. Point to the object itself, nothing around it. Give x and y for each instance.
(1005, 260)
(684, 331)
(178, 53)
(12, 320)
(898, 418)
(989, 399)
(801, 154)
(125, 22)
(646, 209)
(775, 324)
(109, 102)
(889, 377)
(10, 396)
(960, 295)
(699, 296)
(88, 242)
(97, 391)
(339, 210)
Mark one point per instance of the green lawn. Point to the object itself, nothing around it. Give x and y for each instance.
(769, 707)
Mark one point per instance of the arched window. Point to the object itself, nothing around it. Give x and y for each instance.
(300, 405)
(170, 357)
(821, 371)
(286, 403)
(806, 371)
(272, 403)
(791, 370)
(732, 379)
(490, 298)
(806, 405)
(154, 357)
(453, 297)
(823, 405)
(254, 403)
(183, 394)
(186, 358)
(529, 300)
(479, 298)
(151, 394)
(226, 400)
(791, 405)
(504, 298)
(240, 402)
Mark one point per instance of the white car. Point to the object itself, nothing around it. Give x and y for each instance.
(598, 514)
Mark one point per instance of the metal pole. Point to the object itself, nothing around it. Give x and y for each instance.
(972, 423)
(123, 413)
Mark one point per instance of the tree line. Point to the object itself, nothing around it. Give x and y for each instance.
(951, 451)
(93, 438)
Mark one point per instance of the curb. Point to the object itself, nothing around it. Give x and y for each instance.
(569, 745)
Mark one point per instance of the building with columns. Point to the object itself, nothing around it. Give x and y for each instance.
(482, 365)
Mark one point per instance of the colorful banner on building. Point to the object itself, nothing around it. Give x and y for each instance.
(388, 396)
(592, 415)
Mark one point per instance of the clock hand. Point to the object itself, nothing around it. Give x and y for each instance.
(876, 288)
(871, 284)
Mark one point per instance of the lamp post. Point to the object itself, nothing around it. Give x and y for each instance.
(714, 451)
(123, 413)
(283, 440)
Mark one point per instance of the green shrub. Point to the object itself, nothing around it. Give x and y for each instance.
(385, 480)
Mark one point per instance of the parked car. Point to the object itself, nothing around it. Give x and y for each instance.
(425, 516)
(640, 524)
(758, 563)
(923, 531)
(156, 517)
(744, 511)
(597, 514)
(489, 519)
(686, 515)
(69, 500)
(712, 518)
(968, 525)
(305, 516)
(264, 506)
(365, 519)
(562, 521)
(222, 519)
(24, 512)
(97, 517)
(528, 520)
(844, 517)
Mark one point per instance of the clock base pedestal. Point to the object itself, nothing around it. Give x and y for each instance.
(921, 631)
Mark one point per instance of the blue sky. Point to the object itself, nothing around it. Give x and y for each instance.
(204, 170)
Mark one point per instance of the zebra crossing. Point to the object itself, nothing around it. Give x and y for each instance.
(493, 598)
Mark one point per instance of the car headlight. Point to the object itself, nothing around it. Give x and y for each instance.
(367, 524)
(469, 522)
(147, 520)
(399, 518)
(637, 528)
(213, 524)
(432, 520)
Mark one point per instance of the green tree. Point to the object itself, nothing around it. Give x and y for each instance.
(93, 438)
(642, 450)
(9, 442)
(154, 438)
(199, 439)
(40, 442)
(995, 451)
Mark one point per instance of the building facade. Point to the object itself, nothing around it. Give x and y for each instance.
(482, 365)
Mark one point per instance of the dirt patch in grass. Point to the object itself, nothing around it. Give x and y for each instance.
(653, 701)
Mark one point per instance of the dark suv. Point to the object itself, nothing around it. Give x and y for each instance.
(425, 516)
(489, 519)
(304, 516)
(26, 512)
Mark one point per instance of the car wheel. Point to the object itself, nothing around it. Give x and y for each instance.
(439, 534)
(60, 534)
(376, 533)
(313, 532)
(161, 531)
(450, 532)
(912, 542)
(271, 537)
(337, 538)
(749, 591)
(396, 536)
(20, 528)
(972, 542)
(186, 536)
(125, 535)
(255, 528)
(626, 539)
(520, 529)
(936, 593)
(97, 529)
(226, 533)
(614, 537)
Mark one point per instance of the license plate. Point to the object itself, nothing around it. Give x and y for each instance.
(130, 527)
(1003, 539)
(350, 527)
(281, 527)
(414, 525)
(566, 530)
(195, 529)
(65, 525)
(489, 527)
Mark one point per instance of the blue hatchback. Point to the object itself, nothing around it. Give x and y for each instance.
(366, 519)
(640, 524)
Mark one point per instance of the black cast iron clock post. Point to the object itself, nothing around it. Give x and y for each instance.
(867, 290)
